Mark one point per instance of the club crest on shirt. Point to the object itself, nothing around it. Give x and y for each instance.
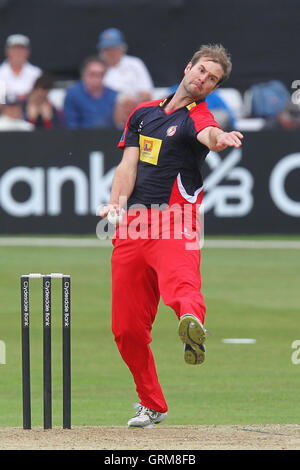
(171, 131)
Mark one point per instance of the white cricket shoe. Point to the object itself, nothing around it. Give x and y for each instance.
(193, 334)
(146, 418)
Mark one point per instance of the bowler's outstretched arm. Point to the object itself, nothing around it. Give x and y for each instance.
(216, 139)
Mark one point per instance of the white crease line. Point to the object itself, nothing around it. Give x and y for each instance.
(58, 242)
(253, 244)
(76, 242)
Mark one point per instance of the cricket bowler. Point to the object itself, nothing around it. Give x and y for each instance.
(165, 143)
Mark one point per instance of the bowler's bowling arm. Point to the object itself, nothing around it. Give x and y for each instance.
(124, 178)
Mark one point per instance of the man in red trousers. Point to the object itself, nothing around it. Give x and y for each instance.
(165, 143)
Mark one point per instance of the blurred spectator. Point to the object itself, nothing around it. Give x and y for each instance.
(16, 72)
(266, 100)
(126, 104)
(11, 115)
(288, 118)
(272, 101)
(88, 103)
(125, 73)
(222, 113)
(37, 109)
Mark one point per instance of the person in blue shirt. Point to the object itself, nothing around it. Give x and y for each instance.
(88, 103)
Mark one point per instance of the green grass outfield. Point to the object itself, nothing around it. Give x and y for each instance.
(249, 294)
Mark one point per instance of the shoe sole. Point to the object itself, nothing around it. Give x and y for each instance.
(136, 426)
(192, 332)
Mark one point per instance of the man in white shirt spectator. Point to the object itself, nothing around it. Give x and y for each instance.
(17, 75)
(126, 74)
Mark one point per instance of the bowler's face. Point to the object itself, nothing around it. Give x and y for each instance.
(202, 78)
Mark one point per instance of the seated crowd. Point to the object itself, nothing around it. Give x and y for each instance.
(112, 83)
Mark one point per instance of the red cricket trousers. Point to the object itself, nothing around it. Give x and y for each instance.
(144, 269)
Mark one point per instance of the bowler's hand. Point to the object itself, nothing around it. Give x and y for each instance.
(104, 210)
(229, 139)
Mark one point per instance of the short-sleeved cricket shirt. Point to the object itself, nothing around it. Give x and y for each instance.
(169, 168)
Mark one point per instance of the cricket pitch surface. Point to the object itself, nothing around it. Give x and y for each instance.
(237, 437)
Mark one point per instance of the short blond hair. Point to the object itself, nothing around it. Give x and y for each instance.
(218, 54)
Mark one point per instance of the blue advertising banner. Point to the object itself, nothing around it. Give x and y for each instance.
(53, 182)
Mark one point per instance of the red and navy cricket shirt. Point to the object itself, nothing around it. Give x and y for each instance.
(169, 168)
